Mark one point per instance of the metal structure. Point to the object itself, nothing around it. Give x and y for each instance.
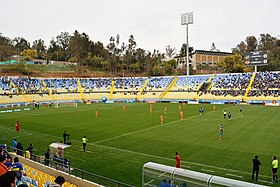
(186, 19)
(154, 174)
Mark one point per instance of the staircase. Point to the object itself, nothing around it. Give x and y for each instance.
(142, 89)
(112, 89)
(168, 87)
(80, 89)
(249, 86)
(12, 85)
(45, 86)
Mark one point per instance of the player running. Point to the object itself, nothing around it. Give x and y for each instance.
(165, 109)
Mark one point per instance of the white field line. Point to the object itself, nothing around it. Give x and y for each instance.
(154, 156)
(268, 182)
(207, 170)
(232, 175)
(149, 128)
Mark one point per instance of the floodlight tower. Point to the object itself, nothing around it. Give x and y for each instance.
(186, 19)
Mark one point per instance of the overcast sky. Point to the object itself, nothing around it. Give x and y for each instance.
(154, 23)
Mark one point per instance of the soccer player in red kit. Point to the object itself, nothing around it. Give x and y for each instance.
(178, 160)
(17, 126)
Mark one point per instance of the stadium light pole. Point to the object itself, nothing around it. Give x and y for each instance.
(186, 19)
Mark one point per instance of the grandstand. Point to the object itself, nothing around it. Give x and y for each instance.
(237, 87)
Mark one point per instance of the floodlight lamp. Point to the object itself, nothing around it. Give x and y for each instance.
(187, 18)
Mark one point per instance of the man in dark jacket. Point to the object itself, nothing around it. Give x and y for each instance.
(256, 167)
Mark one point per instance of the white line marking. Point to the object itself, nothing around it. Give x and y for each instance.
(149, 128)
(268, 182)
(207, 170)
(228, 174)
(189, 167)
(154, 156)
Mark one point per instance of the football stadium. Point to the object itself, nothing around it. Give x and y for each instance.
(120, 118)
(139, 93)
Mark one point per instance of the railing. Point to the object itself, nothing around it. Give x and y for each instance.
(63, 165)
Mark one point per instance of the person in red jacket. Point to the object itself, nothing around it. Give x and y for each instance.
(178, 160)
(17, 126)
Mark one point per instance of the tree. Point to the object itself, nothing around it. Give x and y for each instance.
(240, 48)
(252, 43)
(21, 44)
(169, 51)
(63, 40)
(39, 46)
(6, 47)
(79, 46)
(232, 64)
(29, 54)
(267, 42)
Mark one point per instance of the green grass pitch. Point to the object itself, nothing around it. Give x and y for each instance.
(121, 142)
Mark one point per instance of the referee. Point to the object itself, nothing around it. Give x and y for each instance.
(84, 140)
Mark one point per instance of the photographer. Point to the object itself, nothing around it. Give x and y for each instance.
(64, 137)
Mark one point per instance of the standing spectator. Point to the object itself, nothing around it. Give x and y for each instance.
(84, 140)
(47, 157)
(58, 182)
(30, 149)
(178, 160)
(17, 126)
(14, 144)
(256, 167)
(3, 168)
(274, 169)
(19, 149)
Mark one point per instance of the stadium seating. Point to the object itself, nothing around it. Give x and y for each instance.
(40, 178)
(266, 85)
(259, 86)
